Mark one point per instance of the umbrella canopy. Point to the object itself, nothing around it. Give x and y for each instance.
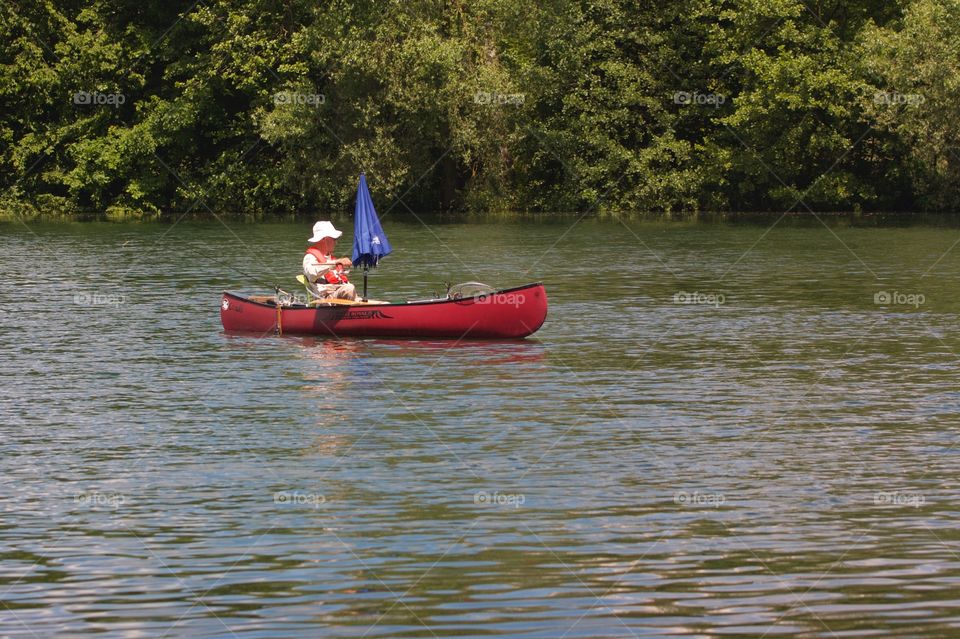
(369, 241)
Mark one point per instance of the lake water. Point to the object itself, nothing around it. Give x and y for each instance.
(721, 429)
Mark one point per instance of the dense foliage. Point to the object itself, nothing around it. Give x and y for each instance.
(274, 106)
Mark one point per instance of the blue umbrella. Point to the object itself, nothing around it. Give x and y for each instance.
(369, 241)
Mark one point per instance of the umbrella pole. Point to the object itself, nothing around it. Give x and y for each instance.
(366, 269)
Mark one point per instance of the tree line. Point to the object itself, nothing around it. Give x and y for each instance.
(161, 108)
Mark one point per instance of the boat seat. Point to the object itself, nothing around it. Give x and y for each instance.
(312, 289)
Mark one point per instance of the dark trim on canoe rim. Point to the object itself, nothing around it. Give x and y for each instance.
(417, 303)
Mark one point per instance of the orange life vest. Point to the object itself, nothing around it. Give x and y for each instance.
(335, 275)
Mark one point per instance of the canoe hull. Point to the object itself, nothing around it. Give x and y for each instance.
(506, 314)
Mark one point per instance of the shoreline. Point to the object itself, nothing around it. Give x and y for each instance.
(852, 218)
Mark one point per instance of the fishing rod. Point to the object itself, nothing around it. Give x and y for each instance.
(230, 267)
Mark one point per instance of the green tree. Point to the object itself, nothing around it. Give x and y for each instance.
(913, 70)
(794, 137)
(255, 107)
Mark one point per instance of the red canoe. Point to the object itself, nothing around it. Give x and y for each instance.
(506, 314)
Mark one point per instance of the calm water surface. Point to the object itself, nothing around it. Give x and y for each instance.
(779, 457)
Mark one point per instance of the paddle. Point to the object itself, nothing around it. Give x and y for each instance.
(334, 300)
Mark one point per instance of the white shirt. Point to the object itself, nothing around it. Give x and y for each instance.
(314, 268)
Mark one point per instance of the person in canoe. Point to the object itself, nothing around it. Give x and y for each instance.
(324, 271)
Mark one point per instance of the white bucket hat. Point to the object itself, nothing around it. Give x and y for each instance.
(324, 229)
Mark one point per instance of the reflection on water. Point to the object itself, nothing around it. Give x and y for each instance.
(779, 459)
